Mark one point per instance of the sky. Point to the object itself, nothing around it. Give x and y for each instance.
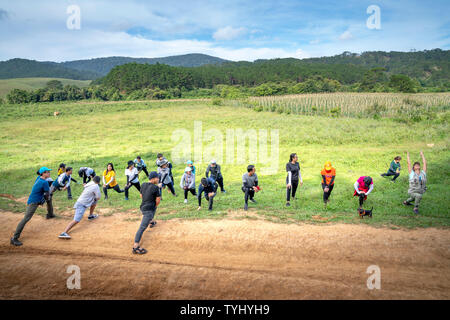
(48, 30)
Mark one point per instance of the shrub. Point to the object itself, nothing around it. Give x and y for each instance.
(216, 102)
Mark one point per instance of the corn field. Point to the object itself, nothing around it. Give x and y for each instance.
(353, 104)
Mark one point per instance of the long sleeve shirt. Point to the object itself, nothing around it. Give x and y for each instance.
(211, 187)
(249, 181)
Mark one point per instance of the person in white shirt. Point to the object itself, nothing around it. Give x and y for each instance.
(132, 175)
(187, 183)
(88, 199)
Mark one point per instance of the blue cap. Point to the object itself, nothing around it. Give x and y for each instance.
(153, 175)
(189, 162)
(43, 169)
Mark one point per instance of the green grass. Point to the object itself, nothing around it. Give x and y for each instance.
(95, 133)
(6, 85)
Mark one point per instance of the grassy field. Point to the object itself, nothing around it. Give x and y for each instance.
(95, 133)
(6, 85)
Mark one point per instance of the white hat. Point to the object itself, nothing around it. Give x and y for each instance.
(188, 169)
(213, 161)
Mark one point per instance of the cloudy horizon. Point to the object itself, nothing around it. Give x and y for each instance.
(232, 30)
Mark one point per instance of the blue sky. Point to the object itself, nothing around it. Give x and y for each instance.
(235, 30)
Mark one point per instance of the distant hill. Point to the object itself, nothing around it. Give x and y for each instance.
(23, 68)
(7, 85)
(104, 65)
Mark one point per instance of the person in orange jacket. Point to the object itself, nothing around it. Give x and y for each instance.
(328, 175)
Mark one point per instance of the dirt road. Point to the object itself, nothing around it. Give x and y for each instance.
(222, 259)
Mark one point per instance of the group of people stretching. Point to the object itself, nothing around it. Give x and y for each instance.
(151, 192)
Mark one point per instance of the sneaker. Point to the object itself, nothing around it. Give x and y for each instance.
(210, 209)
(15, 242)
(185, 200)
(106, 197)
(92, 217)
(288, 204)
(406, 203)
(253, 200)
(223, 191)
(152, 224)
(126, 198)
(50, 216)
(416, 210)
(69, 198)
(246, 207)
(393, 181)
(64, 235)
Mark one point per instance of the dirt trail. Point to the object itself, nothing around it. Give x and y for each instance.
(222, 259)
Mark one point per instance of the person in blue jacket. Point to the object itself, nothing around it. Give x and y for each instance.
(209, 187)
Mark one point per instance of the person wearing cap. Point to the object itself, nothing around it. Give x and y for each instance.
(48, 200)
(109, 180)
(87, 174)
(62, 170)
(328, 175)
(190, 164)
(159, 159)
(250, 185)
(187, 183)
(151, 198)
(132, 178)
(209, 187)
(216, 173)
(293, 178)
(140, 165)
(165, 177)
(88, 199)
(363, 187)
(39, 194)
(63, 183)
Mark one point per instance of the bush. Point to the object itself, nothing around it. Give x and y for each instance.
(216, 102)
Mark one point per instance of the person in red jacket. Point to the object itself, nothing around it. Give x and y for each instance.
(363, 186)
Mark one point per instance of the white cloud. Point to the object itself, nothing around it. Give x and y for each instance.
(347, 35)
(315, 41)
(229, 33)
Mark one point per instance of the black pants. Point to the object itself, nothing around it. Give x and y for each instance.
(86, 178)
(210, 200)
(137, 185)
(186, 191)
(115, 188)
(249, 193)
(293, 189)
(219, 181)
(170, 186)
(362, 197)
(326, 195)
(389, 173)
(145, 170)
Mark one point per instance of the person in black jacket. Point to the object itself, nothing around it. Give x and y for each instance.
(209, 187)
(216, 173)
(250, 185)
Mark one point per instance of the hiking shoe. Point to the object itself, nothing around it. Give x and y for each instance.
(416, 210)
(246, 207)
(92, 217)
(64, 235)
(185, 200)
(288, 204)
(15, 242)
(253, 200)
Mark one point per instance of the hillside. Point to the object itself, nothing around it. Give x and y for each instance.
(7, 85)
(23, 68)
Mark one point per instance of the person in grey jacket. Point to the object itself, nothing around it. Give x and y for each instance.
(250, 185)
(216, 174)
(165, 177)
(88, 199)
(187, 183)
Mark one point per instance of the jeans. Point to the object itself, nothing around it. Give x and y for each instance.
(146, 219)
(326, 195)
(390, 173)
(31, 209)
(293, 189)
(137, 185)
(115, 188)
